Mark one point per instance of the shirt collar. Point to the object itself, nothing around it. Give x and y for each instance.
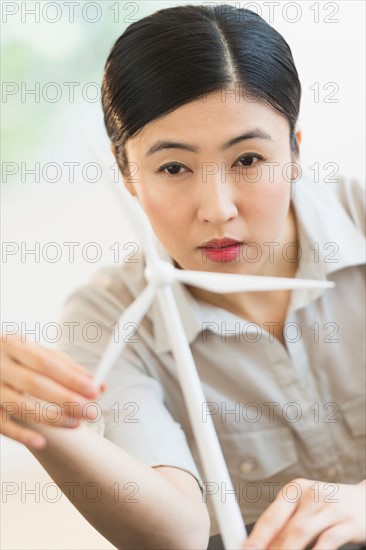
(329, 241)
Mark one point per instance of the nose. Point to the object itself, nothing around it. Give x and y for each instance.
(216, 204)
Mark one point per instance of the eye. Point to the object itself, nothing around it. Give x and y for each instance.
(175, 167)
(248, 159)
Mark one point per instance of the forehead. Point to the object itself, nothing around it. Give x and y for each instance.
(210, 121)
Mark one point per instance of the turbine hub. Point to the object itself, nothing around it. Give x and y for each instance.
(160, 274)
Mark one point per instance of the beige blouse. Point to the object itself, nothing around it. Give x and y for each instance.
(279, 413)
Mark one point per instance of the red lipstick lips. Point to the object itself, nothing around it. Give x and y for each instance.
(220, 243)
(222, 250)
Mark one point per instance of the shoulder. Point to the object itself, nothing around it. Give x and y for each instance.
(110, 289)
(90, 315)
(344, 197)
(351, 195)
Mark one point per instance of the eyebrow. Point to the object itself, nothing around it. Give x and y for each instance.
(251, 134)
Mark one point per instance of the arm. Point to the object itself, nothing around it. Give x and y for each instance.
(138, 506)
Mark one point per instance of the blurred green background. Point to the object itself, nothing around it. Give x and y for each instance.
(67, 44)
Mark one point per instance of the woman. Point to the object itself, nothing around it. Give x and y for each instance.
(201, 106)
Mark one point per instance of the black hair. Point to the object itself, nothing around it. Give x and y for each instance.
(179, 54)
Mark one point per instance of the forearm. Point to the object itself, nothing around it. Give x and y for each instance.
(136, 506)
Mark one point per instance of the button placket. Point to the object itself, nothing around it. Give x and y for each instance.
(247, 465)
(298, 385)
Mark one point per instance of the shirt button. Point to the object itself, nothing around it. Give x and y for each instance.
(246, 466)
(332, 471)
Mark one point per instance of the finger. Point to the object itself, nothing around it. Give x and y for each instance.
(271, 522)
(23, 379)
(303, 528)
(33, 354)
(54, 364)
(103, 387)
(27, 437)
(334, 537)
(81, 369)
(77, 366)
(54, 416)
(24, 408)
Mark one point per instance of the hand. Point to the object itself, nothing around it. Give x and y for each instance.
(305, 511)
(31, 371)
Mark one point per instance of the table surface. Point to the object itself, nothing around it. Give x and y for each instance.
(216, 543)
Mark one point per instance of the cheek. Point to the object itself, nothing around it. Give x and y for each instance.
(165, 217)
(267, 210)
(277, 196)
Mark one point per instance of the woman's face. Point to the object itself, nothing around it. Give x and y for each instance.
(210, 189)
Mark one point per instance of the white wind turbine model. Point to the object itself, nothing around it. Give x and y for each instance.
(160, 276)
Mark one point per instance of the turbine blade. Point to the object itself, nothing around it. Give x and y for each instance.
(130, 205)
(133, 314)
(138, 220)
(232, 282)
